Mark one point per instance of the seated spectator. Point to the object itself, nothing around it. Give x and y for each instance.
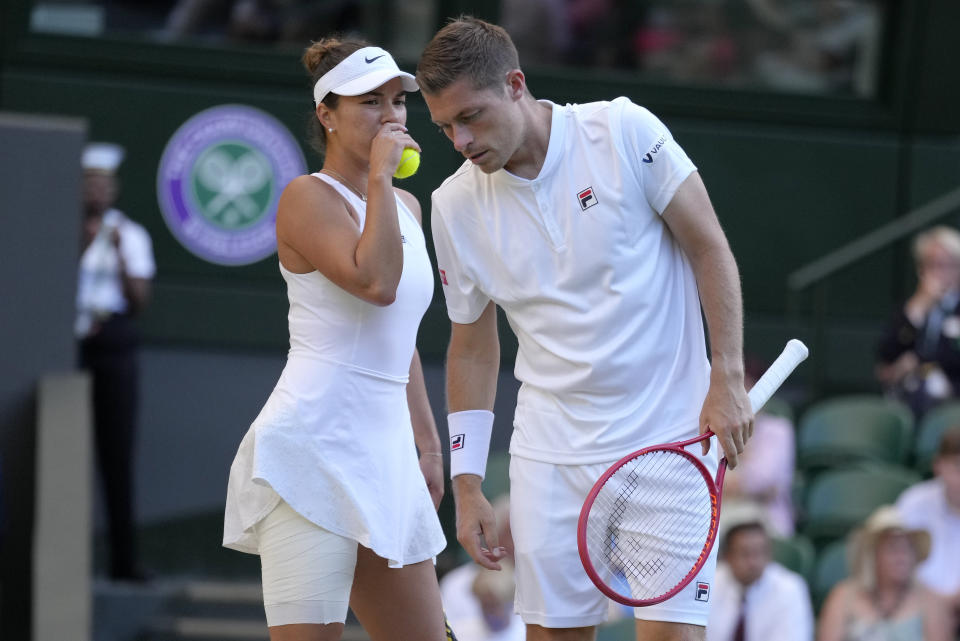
(919, 353)
(934, 505)
(882, 600)
(753, 596)
(765, 473)
(479, 602)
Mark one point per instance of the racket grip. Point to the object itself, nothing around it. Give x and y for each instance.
(793, 354)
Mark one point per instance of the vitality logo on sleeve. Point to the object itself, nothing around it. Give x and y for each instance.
(648, 157)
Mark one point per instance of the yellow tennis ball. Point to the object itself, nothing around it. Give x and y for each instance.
(409, 163)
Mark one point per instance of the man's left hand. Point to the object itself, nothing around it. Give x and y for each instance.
(726, 412)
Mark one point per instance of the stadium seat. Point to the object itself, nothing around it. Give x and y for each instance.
(796, 553)
(854, 428)
(837, 500)
(779, 407)
(831, 568)
(932, 426)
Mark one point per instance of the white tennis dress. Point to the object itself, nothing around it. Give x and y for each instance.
(334, 439)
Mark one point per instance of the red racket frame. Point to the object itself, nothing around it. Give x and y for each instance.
(713, 486)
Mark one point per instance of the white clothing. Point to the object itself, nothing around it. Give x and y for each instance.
(322, 562)
(765, 472)
(777, 606)
(602, 300)
(334, 439)
(463, 610)
(924, 506)
(553, 590)
(99, 286)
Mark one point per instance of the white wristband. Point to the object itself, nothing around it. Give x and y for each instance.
(470, 432)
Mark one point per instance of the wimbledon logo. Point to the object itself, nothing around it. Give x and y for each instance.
(219, 181)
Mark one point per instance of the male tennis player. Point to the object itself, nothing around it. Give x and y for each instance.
(590, 227)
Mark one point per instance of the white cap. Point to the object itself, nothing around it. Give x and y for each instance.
(102, 156)
(362, 71)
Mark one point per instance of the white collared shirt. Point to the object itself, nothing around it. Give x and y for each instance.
(602, 300)
(99, 288)
(778, 606)
(925, 506)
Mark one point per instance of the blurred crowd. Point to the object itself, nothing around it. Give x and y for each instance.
(812, 46)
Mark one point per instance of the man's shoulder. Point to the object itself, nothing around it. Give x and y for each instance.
(923, 495)
(464, 179)
(127, 226)
(782, 580)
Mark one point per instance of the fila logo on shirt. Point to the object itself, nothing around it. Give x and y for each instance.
(456, 442)
(443, 277)
(587, 198)
(703, 591)
(648, 157)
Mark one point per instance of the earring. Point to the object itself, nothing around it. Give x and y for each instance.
(331, 129)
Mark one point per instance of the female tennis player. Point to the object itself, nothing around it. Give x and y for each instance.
(326, 486)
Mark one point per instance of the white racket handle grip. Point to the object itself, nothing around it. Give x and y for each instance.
(792, 355)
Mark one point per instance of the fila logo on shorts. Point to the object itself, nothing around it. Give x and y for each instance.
(587, 198)
(456, 442)
(703, 591)
(443, 277)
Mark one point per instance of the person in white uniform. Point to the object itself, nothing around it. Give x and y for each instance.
(326, 486)
(113, 288)
(591, 229)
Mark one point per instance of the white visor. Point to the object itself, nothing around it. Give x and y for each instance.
(360, 72)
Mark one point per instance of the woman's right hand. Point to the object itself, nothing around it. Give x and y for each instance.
(387, 147)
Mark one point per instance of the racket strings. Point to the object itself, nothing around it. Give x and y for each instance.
(648, 525)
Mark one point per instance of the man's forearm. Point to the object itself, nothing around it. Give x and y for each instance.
(718, 282)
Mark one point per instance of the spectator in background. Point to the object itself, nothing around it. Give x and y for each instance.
(290, 21)
(919, 353)
(765, 473)
(882, 600)
(754, 596)
(934, 505)
(539, 27)
(114, 286)
(479, 602)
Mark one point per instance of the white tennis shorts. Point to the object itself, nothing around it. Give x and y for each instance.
(553, 589)
(307, 570)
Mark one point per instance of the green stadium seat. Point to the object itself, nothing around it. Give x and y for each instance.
(932, 426)
(831, 568)
(779, 407)
(836, 431)
(796, 553)
(837, 500)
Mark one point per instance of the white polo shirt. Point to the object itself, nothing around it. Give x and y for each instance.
(777, 606)
(99, 286)
(603, 302)
(925, 506)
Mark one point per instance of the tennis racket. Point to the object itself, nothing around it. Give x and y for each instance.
(648, 525)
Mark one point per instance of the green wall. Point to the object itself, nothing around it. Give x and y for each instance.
(792, 177)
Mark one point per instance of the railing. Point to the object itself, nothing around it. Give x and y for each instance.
(815, 274)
